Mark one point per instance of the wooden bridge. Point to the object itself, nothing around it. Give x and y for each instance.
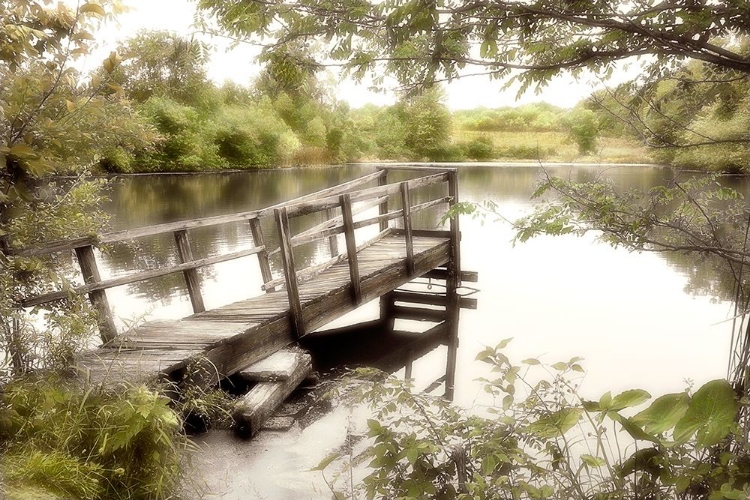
(231, 338)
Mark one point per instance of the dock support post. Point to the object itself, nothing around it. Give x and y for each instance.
(290, 275)
(333, 242)
(98, 298)
(383, 207)
(452, 283)
(265, 266)
(406, 208)
(351, 246)
(192, 280)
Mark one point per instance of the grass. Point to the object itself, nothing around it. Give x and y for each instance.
(555, 146)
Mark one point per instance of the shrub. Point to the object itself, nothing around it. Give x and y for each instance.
(65, 441)
(542, 439)
(480, 148)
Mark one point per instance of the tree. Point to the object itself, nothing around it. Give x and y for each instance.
(163, 64)
(53, 120)
(420, 41)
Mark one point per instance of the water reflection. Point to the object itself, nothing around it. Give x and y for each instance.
(585, 293)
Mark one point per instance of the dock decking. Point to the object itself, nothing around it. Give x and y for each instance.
(223, 341)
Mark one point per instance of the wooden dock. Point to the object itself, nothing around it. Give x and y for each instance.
(221, 342)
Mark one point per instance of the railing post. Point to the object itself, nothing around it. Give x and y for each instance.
(383, 207)
(452, 283)
(351, 246)
(192, 280)
(265, 266)
(290, 275)
(333, 241)
(406, 207)
(90, 272)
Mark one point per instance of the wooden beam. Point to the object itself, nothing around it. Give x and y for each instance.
(351, 246)
(433, 299)
(383, 207)
(333, 242)
(265, 265)
(192, 280)
(255, 407)
(365, 194)
(274, 368)
(136, 277)
(290, 276)
(98, 298)
(415, 167)
(442, 274)
(406, 210)
(418, 313)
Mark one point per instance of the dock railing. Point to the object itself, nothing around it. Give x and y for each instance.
(349, 198)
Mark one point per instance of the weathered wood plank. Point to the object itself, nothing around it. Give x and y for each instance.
(276, 367)
(133, 278)
(442, 274)
(431, 299)
(258, 241)
(406, 210)
(333, 242)
(351, 247)
(383, 207)
(290, 274)
(254, 408)
(365, 194)
(90, 272)
(192, 280)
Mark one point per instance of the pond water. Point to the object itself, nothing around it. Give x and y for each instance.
(639, 320)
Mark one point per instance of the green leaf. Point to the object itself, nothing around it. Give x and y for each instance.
(503, 343)
(711, 413)
(631, 428)
(93, 8)
(22, 151)
(326, 461)
(592, 461)
(626, 399)
(560, 366)
(556, 424)
(663, 413)
(531, 361)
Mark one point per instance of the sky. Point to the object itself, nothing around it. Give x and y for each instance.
(238, 64)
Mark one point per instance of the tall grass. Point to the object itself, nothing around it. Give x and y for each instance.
(62, 441)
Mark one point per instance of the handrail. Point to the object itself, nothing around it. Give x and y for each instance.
(136, 277)
(169, 227)
(305, 208)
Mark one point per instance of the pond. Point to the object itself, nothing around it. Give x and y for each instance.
(639, 320)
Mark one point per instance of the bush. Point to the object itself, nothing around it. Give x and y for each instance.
(480, 148)
(542, 439)
(63, 441)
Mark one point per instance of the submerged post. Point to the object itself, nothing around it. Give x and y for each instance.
(290, 275)
(452, 283)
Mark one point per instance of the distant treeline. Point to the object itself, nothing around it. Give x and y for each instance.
(286, 116)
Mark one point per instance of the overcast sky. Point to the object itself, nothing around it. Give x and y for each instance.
(237, 64)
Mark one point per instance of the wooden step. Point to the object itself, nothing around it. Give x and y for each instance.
(255, 407)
